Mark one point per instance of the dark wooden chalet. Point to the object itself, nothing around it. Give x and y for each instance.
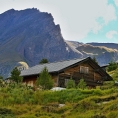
(62, 71)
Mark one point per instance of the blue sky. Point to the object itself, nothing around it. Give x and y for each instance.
(80, 20)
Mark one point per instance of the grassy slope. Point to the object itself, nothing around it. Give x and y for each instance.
(114, 74)
(93, 103)
(111, 84)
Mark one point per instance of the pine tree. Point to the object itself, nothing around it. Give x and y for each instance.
(1, 78)
(1, 81)
(44, 80)
(43, 61)
(70, 84)
(15, 75)
(95, 60)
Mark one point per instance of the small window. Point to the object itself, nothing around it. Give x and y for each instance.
(66, 81)
(81, 69)
(84, 69)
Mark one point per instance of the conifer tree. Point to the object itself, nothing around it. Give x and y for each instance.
(1, 78)
(43, 61)
(44, 80)
(95, 60)
(15, 75)
(1, 81)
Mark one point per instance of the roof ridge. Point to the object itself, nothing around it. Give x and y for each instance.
(62, 61)
(56, 62)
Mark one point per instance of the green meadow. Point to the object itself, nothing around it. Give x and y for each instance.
(21, 101)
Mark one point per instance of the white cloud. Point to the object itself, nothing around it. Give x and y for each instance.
(116, 2)
(111, 34)
(76, 17)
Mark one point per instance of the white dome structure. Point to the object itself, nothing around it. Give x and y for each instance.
(22, 66)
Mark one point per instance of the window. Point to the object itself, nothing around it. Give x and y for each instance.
(66, 81)
(81, 69)
(84, 69)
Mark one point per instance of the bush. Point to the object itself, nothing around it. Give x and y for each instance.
(82, 84)
(6, 113)
(70, 84)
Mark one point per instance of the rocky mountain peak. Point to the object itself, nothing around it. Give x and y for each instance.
(30, 35)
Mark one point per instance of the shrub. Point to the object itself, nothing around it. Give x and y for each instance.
(82, 84)
(6, 113)
(70, 84)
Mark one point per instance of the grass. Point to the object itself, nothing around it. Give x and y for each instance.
(114, 74)
(25, 103)
(21, 102)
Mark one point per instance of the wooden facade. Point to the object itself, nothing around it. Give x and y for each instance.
(90, 75)
(86, 69)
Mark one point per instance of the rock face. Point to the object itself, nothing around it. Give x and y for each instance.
(30, 35)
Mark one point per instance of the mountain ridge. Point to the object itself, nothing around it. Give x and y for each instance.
(103, 54)
(109, 45)
(30, 35)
